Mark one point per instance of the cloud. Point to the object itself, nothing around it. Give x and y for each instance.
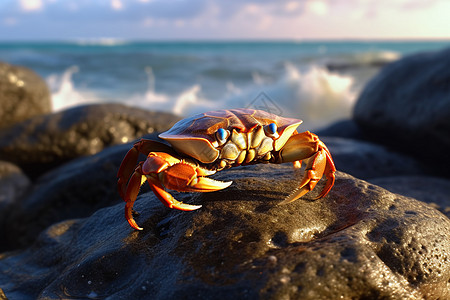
(204, 18)
(116, 5)
(317, 7)
(31, 5)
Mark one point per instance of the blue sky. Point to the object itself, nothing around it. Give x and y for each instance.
(226, 19)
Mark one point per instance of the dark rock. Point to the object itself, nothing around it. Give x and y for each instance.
(432, 190)
(359, 242)
(367, 160)
(349, 65)
(344, 129)
(23, 94)
(13, 185)
(74, 190)
(407, 105)
(44, 142)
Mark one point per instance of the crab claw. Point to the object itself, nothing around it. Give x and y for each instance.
(128, 165)
(164, 171)
(308, 146)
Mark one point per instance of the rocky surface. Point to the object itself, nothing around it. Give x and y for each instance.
(82, 186)
(361, 241)
(407, 105)
(46, 141)
(74, 190)
(367, 160)
(14, 184)
(23, 94)
(344, 129)
(432, 190)
(71, 240)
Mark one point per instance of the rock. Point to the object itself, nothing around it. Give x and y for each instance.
(13, 185)
(360, 241)
(432, 190)
(79, 188)
(367, 160)
(44, 142)
(23, 94)
(407, 105)
(344, 129)
(74, 190)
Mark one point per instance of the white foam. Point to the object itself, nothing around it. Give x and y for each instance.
(186, 103)
(314, 95)
(64, 94)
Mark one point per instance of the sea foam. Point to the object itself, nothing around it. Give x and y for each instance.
(314, 94)
(64, 94)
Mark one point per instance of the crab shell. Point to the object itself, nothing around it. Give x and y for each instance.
(196, 136)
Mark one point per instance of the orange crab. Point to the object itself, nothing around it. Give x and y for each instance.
(217, 140)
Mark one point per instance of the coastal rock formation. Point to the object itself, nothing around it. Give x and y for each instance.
(366, 160)
(360, 241)
(14, 184)
(74, 190)
(432, 190)
(387, 239)
(407, 105)
(23, 94)
(80, 187)
(46, 141)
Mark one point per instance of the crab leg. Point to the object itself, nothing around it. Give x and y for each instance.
(127, 167)
(162, 170)
(308, 146)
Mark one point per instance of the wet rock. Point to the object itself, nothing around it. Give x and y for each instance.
(407, 105)
(44, 142)
(360, 241)
(74, 190)
(367, 160)
(344, 129)
(13, 185)
(23, 94)
(432, 190)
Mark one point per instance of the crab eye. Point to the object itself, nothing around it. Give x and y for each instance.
(221, 135)
(271, 130)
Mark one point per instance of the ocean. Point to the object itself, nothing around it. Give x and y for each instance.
(316, 81)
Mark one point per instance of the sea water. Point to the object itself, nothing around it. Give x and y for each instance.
(316, 81)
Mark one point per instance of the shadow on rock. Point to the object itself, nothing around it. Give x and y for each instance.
(74, 190)
(360, 241)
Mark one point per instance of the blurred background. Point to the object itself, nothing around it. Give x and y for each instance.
(307, 59)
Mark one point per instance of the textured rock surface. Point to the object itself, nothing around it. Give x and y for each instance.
(360, 241)
(47, 141)
(23, 94)
(13, 185)
(74, 190)
(343, 129)
(367, 160)
(408, 105)
(432, 190)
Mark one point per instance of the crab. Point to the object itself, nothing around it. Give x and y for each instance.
(217, 140)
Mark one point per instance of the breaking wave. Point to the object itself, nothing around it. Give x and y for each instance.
(315, 95)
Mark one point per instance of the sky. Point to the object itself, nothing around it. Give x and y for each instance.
(223, 19)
